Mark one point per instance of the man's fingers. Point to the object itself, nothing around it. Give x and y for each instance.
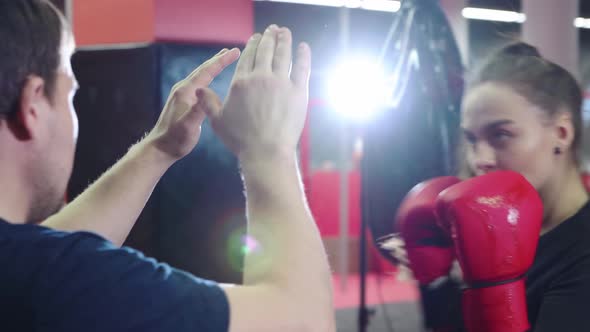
(246, 63)
(199, 68)
(302, 66)
(208, 102)
(266, 49)
(203, 75)
(283, 53)
(221, 52)
(194, 115)
(205, 64)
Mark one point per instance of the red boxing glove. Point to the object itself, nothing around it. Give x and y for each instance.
(430, 254)
(586, 181)
(429, 248)
(495, 221)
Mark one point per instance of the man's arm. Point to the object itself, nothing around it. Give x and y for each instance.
(287, 284)
(290, 276)
(111, 205)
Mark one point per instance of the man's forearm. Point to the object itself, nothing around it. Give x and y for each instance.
(291, 254)
(112, 204)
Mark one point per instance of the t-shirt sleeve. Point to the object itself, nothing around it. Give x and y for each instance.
(564, 307)
(90, 285)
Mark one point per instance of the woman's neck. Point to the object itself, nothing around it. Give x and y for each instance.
(562, 198)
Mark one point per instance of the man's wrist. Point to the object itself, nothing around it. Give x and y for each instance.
(257, 160)
(149, 154)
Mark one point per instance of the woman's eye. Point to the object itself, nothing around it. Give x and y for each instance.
(500, 137)
(502, 134)
(470, 138)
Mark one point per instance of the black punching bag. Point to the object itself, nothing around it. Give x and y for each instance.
(416, 139)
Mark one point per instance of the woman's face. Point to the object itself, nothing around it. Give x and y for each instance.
(504, 131)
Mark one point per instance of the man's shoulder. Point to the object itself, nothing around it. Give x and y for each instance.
(33, 250)
(29, 255)
(60, 272)
(27, 237)
(26, 250)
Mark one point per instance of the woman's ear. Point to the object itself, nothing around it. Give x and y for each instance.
(564, 130)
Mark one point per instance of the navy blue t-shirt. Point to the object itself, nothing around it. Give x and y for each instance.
(56, 281)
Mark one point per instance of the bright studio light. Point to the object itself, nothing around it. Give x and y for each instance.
(394, 6)
(378, 5)
(493, 15)
(358, 88)
(582, 23)
(381, 5)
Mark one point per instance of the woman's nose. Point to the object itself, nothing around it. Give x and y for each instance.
(485, 159)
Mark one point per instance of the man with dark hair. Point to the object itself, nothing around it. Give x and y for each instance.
(58, 276)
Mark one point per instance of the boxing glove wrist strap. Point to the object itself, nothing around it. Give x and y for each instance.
(500, 308)
(486, 284)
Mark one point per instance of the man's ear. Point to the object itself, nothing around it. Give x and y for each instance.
(26, 121)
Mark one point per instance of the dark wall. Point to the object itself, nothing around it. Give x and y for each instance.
(585, 57)
(202, 206)
(116, 105)
(195, 217)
